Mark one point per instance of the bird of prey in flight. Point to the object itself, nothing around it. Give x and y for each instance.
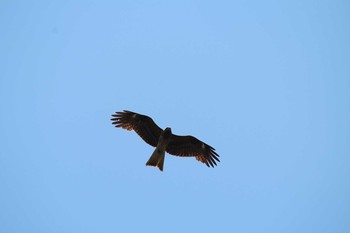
(165, 140)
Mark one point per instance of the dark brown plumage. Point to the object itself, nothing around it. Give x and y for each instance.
(164, 140)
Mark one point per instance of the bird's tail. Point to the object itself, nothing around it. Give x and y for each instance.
(157, 159)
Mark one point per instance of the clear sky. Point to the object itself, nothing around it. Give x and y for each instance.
(266, 83)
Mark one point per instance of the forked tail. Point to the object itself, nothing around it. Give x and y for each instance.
(157, 159)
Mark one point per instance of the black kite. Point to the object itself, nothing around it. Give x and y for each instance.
(164, 140)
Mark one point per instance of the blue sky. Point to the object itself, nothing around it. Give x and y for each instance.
(266, 83)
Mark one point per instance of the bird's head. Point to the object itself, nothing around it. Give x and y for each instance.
(167, 132)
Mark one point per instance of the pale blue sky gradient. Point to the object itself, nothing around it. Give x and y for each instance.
(266, 83)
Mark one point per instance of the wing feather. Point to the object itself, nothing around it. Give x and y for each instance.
(189, 146)
(143, 125)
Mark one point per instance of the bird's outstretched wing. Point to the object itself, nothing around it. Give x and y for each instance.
(187, 146)
(143, 125)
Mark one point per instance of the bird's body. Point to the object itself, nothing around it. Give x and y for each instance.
(164, 140)
(157, 157)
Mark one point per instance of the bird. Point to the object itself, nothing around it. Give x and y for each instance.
(164, 140)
